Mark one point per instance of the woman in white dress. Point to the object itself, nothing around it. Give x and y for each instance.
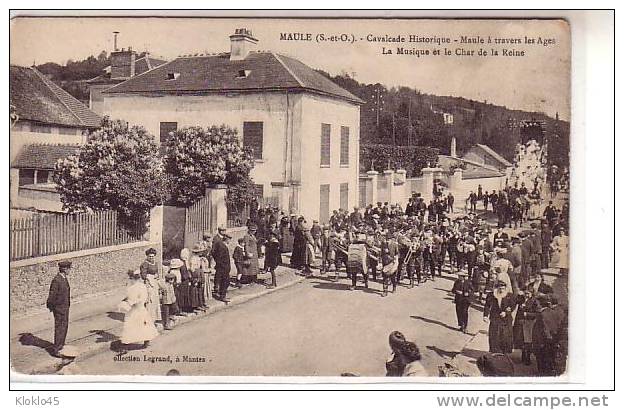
(560, 250)
(138, 325)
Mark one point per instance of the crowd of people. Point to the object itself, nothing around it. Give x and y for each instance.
(495, 269)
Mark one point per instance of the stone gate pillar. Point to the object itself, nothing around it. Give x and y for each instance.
(390, 195)
(218, 206)
(371, 188)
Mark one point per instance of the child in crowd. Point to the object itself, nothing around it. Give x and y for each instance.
(239, 257)
(168, 299)
(272, 258)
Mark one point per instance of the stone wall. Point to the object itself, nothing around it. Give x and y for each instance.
(93, 271)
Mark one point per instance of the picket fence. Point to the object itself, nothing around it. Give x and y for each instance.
(51, 234)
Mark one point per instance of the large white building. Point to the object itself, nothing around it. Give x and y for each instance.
(302, 127)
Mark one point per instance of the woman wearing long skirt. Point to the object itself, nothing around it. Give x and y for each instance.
(184, 288)
(138, 327)
(560, 250)
(197, 283)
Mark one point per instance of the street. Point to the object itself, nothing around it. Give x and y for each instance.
(315, 328)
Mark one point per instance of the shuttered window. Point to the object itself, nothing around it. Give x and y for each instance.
(253, 135)
(166, 128)
(324, 206)
(259, 190)
(26, 177)
(325, 145)
(344, 145)
(344, 195)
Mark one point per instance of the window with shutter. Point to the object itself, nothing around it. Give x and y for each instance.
(344, 195)
(324, 205)
(26, 176)
(325, 145)
(344, 145)
(253, 137)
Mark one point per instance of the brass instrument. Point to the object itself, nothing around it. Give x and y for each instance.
(338, 247)
(373, 252)
(413, 248)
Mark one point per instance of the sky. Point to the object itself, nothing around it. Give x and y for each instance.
(538, 81)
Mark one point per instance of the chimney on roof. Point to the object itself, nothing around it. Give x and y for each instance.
(123, 64)
(241, 43)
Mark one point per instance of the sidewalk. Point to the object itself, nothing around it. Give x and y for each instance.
(95, 323)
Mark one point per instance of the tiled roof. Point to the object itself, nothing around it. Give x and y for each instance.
(43, 156)
(266, 71)
(480, 173)
(37, 98)
(494, 154)
(141, 65)
(474, 169)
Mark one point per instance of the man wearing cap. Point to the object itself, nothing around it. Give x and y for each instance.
(58, 303)
(357, 260)
(356, 217)
(221, 255)
(462, 290)
(219, 236)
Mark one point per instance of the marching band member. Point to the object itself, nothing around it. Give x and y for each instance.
(357, 260)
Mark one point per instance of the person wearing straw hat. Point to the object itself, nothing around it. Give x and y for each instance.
(168, 299)
(198, 275)
(58, 303)
(138, 327)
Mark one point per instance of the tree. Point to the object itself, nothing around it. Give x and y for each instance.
(119, 168)
(197, 158)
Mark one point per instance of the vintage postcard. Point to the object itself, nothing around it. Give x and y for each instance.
(282, 197)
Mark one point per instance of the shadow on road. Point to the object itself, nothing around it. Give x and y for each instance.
(344, 287)
(103, 336)
(443, 353)
(435, 322)
(28, 339)
(116, 316)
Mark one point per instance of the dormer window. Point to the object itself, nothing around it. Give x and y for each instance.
(243, 73)
(172, 76)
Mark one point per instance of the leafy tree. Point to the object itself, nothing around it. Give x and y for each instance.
(197, 158)
(381, 157)
(118, 168)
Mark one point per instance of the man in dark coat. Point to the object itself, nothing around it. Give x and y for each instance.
(550, 212)
(462, 290)
(58, 303)
(547, 335)
(450, 201)
(547, 236)
(221, 255)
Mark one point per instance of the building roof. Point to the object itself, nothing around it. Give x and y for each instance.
(494, 154)
(264, 71)
(141, 65)
(480, 173)
(474, 169)
(43, 156)
(36, 98)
